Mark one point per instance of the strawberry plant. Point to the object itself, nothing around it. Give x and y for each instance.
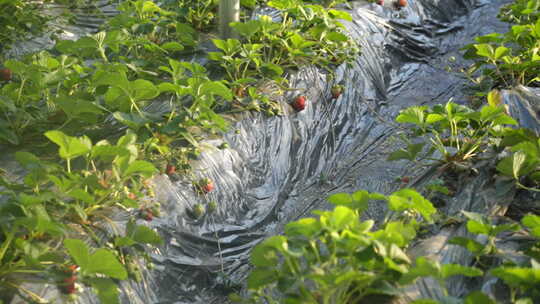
(19, 19)
(338, 258)
(513, 57)
(523, 165)
(47, 214)
(55, 221)
(457, 133)
(308, 34)
(521, 278)
(521, 12)
(200, 14)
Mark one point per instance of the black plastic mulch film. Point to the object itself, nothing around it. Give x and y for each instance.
(279, 169)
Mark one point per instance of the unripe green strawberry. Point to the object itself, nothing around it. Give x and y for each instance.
(198, 211)
(212, 207)
(134, 271)
(336, 91)
(223, 146)
(155, 211)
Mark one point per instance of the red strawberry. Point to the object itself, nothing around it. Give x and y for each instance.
(68, 288)
(336, 91)
(70, 280)
(73, 268)
(146, 214)
(380, 2)
(149, 216)
(405, 179)
(132, 196)
(5, 74)
(67, 285)
(299, 103)
(206, 185)
(170, 170)
(401, 3)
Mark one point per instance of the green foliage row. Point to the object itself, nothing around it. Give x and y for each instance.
(43, 216)
(19, 18)
(456, 136)
(339, 258)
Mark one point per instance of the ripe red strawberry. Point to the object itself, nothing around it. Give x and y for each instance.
(146, 214)
(68, 288)
(405, 179)
(132, 196)
(206, 185)
(380, 2)
(5, 74)
(170, 170)
(401, 3)
(299, 103)
(70, 280)
(336, 91)
(73, 268)
(67, 285)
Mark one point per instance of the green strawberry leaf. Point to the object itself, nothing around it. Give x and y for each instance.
(478, 297)
(532, 222)
(70, 147)
(260, 277)
(141, 167)
(106, 290)
(409, 199)
(471, 245)
(449, 270)
(78, 250)
(105, 262)
(145, 235)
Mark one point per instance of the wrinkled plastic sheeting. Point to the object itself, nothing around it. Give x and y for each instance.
(278, 169)
(524, 105)
(87, 20)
